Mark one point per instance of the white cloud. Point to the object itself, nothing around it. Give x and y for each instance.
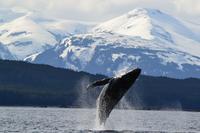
(100, 10)
(191, 7)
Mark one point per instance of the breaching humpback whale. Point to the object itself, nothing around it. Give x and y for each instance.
(112, 92)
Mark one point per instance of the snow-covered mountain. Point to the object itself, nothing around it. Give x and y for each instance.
(68, 27)
(155, 41)
(7, 15)
(160, 44)
(5, 53)
(28, 34)
(24, 37)
(147, 24)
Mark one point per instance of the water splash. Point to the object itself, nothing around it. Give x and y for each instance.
(98, 125)
(84, 97)
(85, 100)
(174, 106)
(124, 103)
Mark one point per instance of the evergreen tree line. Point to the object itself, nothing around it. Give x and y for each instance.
(26, 84)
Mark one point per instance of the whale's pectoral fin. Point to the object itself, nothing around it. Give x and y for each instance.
(99, 83)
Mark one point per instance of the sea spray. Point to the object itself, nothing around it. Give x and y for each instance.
(98, 125)
(173, 106)
(84, 98)
(99, 108)
(124, 103)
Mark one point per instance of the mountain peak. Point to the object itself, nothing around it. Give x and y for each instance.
(148, 24)
(144, 11)
(136, 23)
(23, 33)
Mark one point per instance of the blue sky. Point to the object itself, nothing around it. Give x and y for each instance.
(101, 10)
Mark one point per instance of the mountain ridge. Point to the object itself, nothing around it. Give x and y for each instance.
(159, 43)
(28, 33)
(106, 50)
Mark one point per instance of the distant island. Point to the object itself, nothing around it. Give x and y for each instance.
(26, 84)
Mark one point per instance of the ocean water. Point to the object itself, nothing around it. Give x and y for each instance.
(65, 120)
